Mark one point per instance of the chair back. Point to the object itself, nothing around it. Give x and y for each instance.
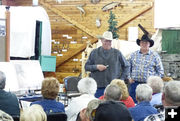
(57, 117)
(71, 83)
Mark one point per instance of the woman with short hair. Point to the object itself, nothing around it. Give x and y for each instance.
(49, 91)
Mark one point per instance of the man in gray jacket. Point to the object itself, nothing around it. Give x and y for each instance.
(106, 63)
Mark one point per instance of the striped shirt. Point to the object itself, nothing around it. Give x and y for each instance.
(155, 117)
(144, 65)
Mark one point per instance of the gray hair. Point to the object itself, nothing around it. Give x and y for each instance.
(172, 93)
(156, 83)
(112, 92)
(87, 85)
(2, 80)
(143, 92)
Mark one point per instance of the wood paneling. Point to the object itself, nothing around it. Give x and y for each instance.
(65, 18)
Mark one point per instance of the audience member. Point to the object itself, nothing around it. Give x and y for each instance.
(49, 91)
(5, 117)
(87, 87)
(8, 101)
(112, 93)
(33, 113)
(170, 97)
(126, 99)
(143, 63)
(143, 108)
(106, 63)
(156, 83)
(112, 96)
(85, 114)
(111, 111)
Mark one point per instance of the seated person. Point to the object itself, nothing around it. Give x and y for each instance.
(87, 87)
(156, 83)
(143, 108)
(111, 111)
(5, 117)
(170, 97)
(33, 113)
(113, 93)
(85, 114)
(112, 96)
(126, 98)
(8, 101)
(49, 91)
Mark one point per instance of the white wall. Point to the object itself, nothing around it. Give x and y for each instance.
(166, 14)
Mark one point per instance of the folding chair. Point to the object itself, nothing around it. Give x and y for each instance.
(57, 117)
(70, 83)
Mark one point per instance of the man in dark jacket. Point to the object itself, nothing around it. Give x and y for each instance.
(8, 101)
(106, 63)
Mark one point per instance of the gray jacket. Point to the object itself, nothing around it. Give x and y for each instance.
(118, 66)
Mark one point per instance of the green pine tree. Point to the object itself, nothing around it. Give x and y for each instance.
(112, 25)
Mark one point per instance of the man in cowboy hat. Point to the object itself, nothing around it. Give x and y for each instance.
(143, 63)
(106, 63)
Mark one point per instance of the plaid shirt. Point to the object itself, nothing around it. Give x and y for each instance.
(144, 65)
(155, 117)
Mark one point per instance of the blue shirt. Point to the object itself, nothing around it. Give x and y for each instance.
(50, 106)
(142, 110)
(144, 65)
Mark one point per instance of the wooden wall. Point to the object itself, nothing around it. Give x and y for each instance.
(66, 18)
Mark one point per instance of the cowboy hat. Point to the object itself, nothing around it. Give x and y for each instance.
(106, 35)
(145, 38)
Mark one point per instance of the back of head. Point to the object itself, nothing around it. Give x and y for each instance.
(33, 113)
(92, 105)
(172, 93)
(156, 83)
(87, 86)
(5, 117)
(143, 92)
(123, 87)
(112, 111)
(50, 88)
(112, 92)
(2, 80)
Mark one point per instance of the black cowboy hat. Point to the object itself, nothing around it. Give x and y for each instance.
(145, 38)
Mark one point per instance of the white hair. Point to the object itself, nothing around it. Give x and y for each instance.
(33, 113)
(172, 93)
(156, 83)
(143, 92)
(87, 85)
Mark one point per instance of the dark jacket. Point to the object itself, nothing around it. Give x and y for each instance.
(9, 103)
(118, 66)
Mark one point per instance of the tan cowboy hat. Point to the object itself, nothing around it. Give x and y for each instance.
(145, 38)
(106, 35)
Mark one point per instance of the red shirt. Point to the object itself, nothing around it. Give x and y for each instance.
(128, 102)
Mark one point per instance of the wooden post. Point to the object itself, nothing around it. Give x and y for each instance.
(7, 34)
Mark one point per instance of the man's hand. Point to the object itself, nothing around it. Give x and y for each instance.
(101, 67)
